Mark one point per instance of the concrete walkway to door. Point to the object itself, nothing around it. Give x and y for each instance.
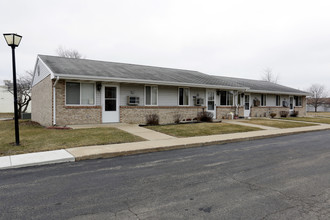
(131, 128)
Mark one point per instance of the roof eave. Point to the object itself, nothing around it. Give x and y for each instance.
(140, 81)
(278, 92)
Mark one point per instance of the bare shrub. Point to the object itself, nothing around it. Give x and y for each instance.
(177, 118)
(273, 115)
(205, 116)
(152, 119)
(294, 114)
(284, 114)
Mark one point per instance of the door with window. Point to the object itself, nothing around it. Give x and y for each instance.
(210, 102)
(110, 104)
(247, 105)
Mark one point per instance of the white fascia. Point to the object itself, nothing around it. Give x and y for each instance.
(151, 82)
(54, 100)
(34, 70)
(278, 92)
(52, 75)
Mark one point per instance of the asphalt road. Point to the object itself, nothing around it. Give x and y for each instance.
(278, 178)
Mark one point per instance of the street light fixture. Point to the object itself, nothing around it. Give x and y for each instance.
(13, 41)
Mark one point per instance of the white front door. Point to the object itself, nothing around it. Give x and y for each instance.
(110, 103)
(247, 105)
(210, 102)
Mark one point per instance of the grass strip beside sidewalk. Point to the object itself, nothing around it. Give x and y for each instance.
(277, 123)
(201, 129)
(34, 137)
(309, 119)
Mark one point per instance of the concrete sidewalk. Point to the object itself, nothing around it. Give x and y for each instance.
(155, 141)
(38, 158)
(113, 150)
(130, 128)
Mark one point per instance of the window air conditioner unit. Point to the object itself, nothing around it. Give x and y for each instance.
(133, 100)
(199, 101)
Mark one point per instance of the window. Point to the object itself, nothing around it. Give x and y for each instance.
(80, 93)
(263, 100)
(151, 95)
(110, 98)
(226, 98)
(298, 101)
(247, 102)
(278, 100)
(183, 96)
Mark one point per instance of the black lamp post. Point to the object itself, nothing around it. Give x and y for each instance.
(13, 41)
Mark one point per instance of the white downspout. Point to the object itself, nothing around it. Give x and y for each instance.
(236, 94)
(54, 100)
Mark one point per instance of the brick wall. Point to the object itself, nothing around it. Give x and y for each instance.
(41, 108)
(137, 114)
(264, 111)
(222, 111)
(302, 109)
(68, 115)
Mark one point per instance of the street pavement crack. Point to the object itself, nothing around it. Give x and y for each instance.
(277, 212)
(130, 210)
(303, 206)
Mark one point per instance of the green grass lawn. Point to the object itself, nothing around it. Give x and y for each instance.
(309, 119)
(34, 137)
(318, 114)
(277, 123)
(200, 129)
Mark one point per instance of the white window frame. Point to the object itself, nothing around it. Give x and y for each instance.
(80, 93)
(298, 97)
(227, 99)
(179, 96)
(279, 100)
(145, 95)
(263, 100)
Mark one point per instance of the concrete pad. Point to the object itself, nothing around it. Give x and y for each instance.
(5, 162)
(5, 119)
(40, 158)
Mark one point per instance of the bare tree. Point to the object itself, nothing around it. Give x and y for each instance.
(69, 53)
(269, 76)
(24, 84)
(318, 93)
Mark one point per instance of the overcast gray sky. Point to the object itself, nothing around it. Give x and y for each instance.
(236, 38)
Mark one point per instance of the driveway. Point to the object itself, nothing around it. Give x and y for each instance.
(277, 178)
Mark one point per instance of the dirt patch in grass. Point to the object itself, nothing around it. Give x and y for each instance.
(309, 119)
(277, 123)
(34, 137)
(6, 115)
(201, 129)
